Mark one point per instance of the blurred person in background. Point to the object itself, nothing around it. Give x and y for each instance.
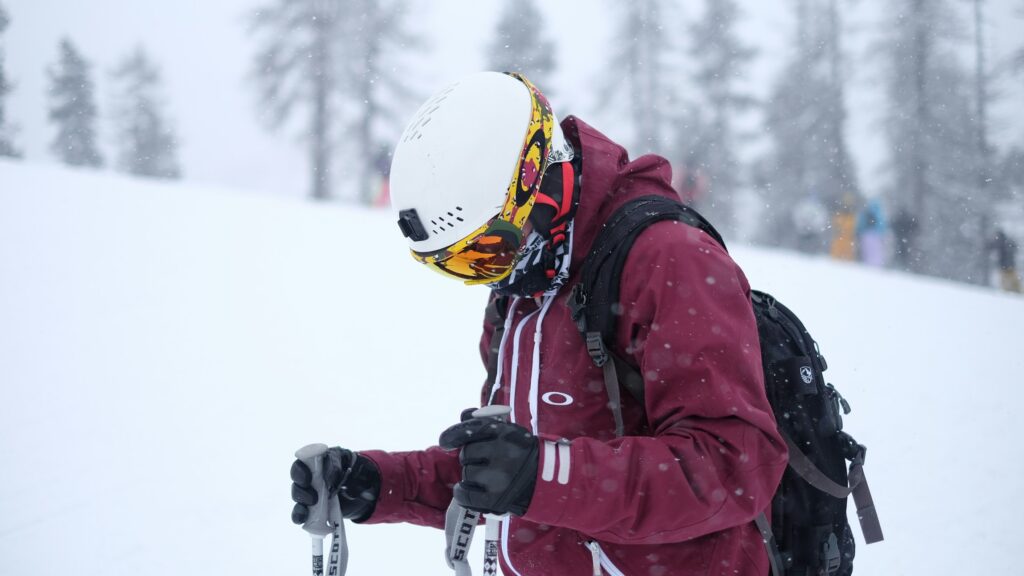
(382, 163)
(810, 219)
(1005, 249)
(844, 234)
(904, 231)
(871, 234)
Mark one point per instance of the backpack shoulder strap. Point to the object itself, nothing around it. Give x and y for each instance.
(497, 309)
(598, 290)
(597, 293)
(594, 301)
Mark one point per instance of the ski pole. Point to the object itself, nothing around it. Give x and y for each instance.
(324, 517)
(492, 533)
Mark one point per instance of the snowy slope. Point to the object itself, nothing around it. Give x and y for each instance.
(164, 350)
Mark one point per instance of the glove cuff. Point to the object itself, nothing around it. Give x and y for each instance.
(526, 482)
(360, 490)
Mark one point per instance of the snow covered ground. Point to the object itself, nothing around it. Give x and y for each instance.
(164, 349)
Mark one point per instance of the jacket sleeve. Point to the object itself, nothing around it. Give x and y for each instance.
(416, 487)
(713, 458)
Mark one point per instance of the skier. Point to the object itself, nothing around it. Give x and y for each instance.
(904, 230)
(1006, 255)
(810, 219)
(382, 178)
(871, 234)
(491, 190)
(844, 223)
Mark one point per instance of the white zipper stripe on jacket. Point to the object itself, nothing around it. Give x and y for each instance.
(535, 367)
(512, 396)
(501, 349)
(534, 383)
(505, 522)
(515, 364)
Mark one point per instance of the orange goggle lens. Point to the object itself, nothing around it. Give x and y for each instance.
(489, 257)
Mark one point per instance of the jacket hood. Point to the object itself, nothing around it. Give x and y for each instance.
(609, 180)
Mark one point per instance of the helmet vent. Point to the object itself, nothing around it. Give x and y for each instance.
(447, 222)
(414, 131)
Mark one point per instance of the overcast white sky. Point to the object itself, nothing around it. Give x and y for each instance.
(205, 54)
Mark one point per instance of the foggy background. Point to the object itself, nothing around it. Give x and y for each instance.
(174, 302)
(208, 93)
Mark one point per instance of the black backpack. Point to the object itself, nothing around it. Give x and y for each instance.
(809, 534)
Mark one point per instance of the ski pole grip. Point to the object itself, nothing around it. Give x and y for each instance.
(499, 411)
(318, 522)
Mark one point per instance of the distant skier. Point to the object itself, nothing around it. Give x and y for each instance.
(1006, 256)
(490, 190)
(844, 237)
(904, 231)
(810, 220)
(382, 179)
(871, 234)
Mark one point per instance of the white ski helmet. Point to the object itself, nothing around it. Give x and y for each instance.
(466, 172)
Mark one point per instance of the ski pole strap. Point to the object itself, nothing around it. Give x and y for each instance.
(768, 537)
(459, 524)
(866, 513)
(337, 561)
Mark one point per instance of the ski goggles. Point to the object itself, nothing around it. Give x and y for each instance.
(490, 253)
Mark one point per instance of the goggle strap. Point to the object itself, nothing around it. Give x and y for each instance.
(567, 189)
(548, 201)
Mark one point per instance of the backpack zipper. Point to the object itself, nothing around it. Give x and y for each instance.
(792, 325)
(798, 332)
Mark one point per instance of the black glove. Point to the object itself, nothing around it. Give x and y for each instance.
(354, 478)
(499, 465)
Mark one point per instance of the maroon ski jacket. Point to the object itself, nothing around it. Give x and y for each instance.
(678, 493)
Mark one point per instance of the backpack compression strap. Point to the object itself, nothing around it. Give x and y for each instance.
(858, 483)
(497, 309)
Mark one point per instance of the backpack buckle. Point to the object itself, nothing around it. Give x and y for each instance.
(578, 308)
(830, 554)
(596, 349)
